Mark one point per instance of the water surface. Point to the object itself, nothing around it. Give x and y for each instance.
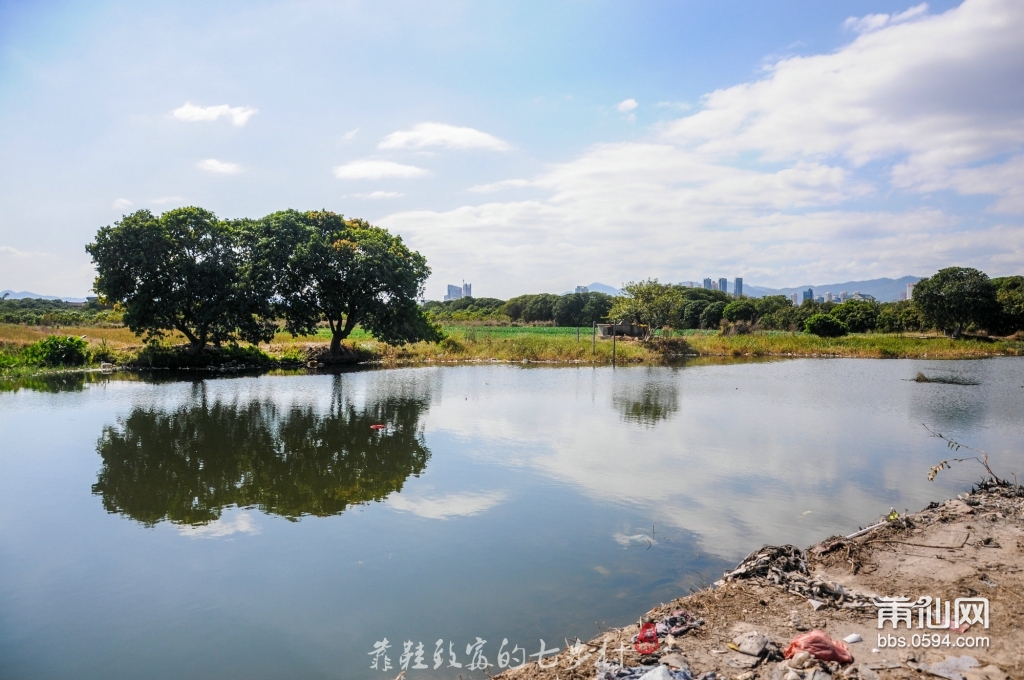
(260, 527)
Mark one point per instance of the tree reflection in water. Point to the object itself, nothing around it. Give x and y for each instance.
(646, 403)
(186, 465)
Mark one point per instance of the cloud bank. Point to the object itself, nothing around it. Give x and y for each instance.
(221, 167)
(826, 166)
(370, 169)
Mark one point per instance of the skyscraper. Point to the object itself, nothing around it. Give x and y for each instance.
(723, 285)
(707, 284)
(454, 293)
(910, 291)
(467, 289)
(793, 299)
(737, 289)
(808, 294)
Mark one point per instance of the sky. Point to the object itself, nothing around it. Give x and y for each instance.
(529, 146)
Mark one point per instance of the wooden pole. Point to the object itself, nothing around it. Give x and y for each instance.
(593, 347)
(614, 333)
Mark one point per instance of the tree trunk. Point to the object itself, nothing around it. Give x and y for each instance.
(339, 333)
(196, 344)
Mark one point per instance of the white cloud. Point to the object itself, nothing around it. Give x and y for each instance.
(440, 135)
(13, 251)
(239, 115)
(373, 195)
(241, 523)
(122, 204)
(626, 106)
(349, 136)
(166, 199)
(873, 22)
(784, 178)
(447, 506)
(370, 169)
(499, 186)
(223, 167)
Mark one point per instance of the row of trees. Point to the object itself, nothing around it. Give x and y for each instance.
(955, 300)
(38, 312)
(572, 309)
(216, 280)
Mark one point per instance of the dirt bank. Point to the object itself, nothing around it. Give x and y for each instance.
(968, 547)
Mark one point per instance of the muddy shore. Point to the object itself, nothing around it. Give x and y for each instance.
(971, 546)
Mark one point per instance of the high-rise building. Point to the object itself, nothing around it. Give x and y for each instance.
(582, 289)
(714, 285)
(707, 284)
(723, 285)
(737, 289)
(808, 294)
(793, 299)
(844, 296)
(454, 293)
(828, 296)
(467, 289)
(910, 291)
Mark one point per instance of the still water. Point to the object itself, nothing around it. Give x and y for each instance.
(259, 527)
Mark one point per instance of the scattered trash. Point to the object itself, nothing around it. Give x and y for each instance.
(751, 644)
(815, 604)
(646, 640)
(798, 623)
(377, 427)
(678, 623)
(989, 672)
(819, 645)
(853, 637)
(611, 671)
(674, 660)
(786, 566)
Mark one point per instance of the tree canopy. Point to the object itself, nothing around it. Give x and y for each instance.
(181, 271)
(956, 298)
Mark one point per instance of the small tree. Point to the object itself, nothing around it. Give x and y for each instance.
(955, 298)
(179, 271)
(740, 310)
(825, 326)
(348, 273)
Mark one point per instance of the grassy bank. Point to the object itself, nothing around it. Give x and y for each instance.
(490, 343)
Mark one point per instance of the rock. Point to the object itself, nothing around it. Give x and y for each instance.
(816, 604)
(800, 659)
(853, 637)
(751, 643)
(675, 661)
(951, 668)
(866, 673)
(743, 661)
(745, 676)
(989, 672)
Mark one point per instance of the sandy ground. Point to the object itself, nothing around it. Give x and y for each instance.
(971, 546)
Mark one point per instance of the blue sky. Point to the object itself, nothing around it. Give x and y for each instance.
(529, 146)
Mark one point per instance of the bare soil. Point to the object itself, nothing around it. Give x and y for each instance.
(970, 546)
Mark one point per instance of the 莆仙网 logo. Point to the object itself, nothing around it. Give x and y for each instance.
(930, 612)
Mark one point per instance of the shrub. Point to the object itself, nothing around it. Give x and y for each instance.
(711, 316)
(57, 350)
(825, 326)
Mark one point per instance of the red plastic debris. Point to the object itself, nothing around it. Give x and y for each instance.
(819, 645)
(377, 427)
(647, 639)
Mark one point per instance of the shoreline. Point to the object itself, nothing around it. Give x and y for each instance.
(968, 546)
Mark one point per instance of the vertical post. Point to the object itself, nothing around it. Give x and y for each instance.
(577, 335)
(593, 347)
(614, 333)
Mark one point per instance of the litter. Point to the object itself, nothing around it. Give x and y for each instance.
(611, 671)
(377, 427)
(853, 637)
(818, 644)
(677, 623)
(952, 667)
(646, 640)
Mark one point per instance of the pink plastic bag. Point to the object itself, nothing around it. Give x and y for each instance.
(819, 645)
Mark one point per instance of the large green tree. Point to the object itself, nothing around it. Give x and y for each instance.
(956, 298)
(181, 271)
(1010, 296)
(348, 273)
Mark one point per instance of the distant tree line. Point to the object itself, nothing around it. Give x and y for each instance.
(573, 309)
(217, 280)
(956, 300)
(38, 312)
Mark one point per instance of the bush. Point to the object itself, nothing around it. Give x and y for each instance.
(825, 326)
(740, 310)
(712, 315)
(57, 351)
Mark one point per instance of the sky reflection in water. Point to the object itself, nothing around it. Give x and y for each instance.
(258, 527)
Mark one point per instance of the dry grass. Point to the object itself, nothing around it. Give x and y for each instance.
(860, 345)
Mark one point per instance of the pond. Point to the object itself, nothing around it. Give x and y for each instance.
(262, 527)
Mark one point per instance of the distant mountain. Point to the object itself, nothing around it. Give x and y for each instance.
(599, 288)
(884, 290)
(11, 295)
